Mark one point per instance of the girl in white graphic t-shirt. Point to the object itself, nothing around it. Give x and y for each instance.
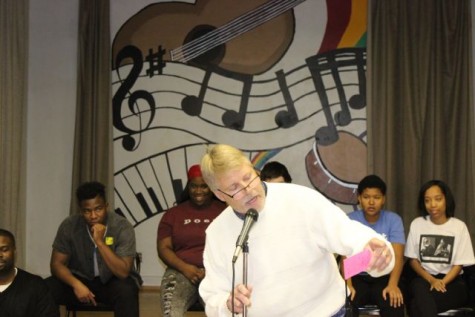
(438, 285)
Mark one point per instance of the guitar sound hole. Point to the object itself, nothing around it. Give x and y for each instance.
(210, 56)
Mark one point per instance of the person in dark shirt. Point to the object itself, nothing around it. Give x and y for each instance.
(93, 256)
(22, 294)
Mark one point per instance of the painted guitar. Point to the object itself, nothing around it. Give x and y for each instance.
(244, 36)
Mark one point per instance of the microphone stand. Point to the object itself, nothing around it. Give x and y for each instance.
(245, 252)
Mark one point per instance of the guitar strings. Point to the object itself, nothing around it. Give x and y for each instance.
(214, 38)
(202, 43)
(232, 29)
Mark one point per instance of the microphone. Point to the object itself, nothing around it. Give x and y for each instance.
(251, 217)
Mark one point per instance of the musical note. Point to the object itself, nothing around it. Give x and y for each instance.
(235, 120)
(342, 117)
(192, 105)
(286, 118)
(325, 135)
(358, 101)
(128, 141)
(155, 61)
(332, 63)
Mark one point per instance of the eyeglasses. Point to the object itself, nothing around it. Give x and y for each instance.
(240, 193)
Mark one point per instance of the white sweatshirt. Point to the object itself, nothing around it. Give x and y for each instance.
(291, 262)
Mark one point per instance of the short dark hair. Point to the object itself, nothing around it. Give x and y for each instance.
(449, 198)
(372, 181)
(275, 169)
(90, 190)
(9, 235)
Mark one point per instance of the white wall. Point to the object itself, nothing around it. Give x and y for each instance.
(51, 111)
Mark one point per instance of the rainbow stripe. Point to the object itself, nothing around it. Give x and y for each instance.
(355, 33)
(261, 158)
(346, 24)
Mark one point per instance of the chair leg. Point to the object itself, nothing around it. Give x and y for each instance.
(68, 312)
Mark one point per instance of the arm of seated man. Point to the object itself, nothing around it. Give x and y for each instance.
(59, 268)
(119, 266)
(392, 289)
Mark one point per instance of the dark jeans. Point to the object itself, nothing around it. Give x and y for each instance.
(427, 303)
(369, 290)
(123, 295)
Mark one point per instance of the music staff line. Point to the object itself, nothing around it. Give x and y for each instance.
(298, 82)
(196, 128)
(275, 88)
(201, 131)
(186, 128)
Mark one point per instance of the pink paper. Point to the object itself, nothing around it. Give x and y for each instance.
(356, 263)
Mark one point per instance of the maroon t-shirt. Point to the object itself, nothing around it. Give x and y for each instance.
(186, 225)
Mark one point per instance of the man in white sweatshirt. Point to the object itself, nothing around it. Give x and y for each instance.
(291, 265)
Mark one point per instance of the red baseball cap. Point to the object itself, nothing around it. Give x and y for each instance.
(194, 171)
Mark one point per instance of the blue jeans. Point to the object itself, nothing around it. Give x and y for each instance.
(177, 293)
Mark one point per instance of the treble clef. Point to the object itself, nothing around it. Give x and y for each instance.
(128, 142)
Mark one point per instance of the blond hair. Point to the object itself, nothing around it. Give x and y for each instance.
(220, 159)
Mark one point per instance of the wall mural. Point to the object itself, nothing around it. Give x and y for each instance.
(280, 79)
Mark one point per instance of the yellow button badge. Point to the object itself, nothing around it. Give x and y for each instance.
(109, 240)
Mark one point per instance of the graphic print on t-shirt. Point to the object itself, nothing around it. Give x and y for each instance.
(436, 248)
